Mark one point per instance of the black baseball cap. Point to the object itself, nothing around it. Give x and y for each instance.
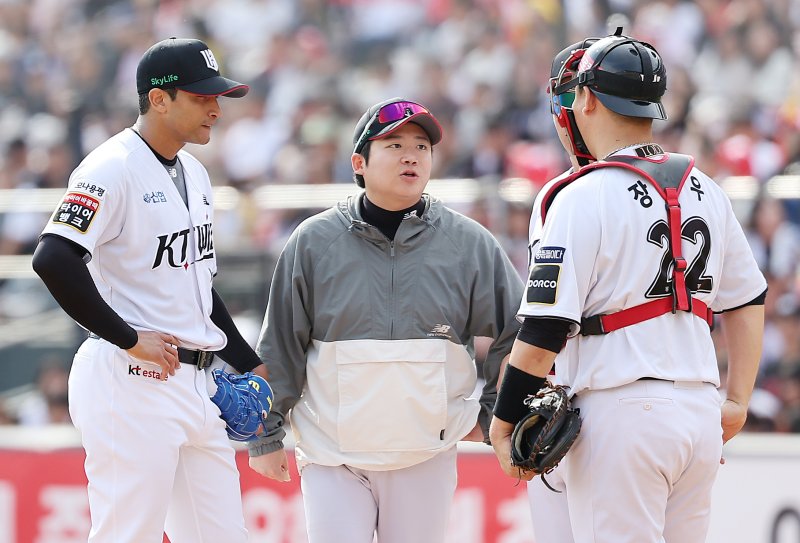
(385, 117)
(185, 64)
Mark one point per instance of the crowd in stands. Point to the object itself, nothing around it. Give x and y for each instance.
(67, 72)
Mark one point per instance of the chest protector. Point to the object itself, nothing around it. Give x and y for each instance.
(667, 175)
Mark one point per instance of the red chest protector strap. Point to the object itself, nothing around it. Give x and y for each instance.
(667, 175)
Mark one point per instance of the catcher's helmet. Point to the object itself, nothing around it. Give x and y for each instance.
(627, 76)
(568, 54)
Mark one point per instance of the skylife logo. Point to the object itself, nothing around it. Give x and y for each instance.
(158, 81)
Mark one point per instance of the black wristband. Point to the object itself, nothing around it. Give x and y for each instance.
(517, 385)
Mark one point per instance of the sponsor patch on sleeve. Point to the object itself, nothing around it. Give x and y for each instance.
(553, 255)
(93, 189)
(77, 210)
(543, 284)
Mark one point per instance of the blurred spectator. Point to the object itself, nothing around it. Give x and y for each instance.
(775, 242)
(782, 351)
(514, 237)
(47, 404)
(5, 415)
(764, 408)
(788, 419)
(771, 60)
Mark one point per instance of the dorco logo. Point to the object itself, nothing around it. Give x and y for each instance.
(538, 283)
(140, 372)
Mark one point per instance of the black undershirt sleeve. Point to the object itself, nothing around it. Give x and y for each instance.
(758, 300)
(59, 262)
(549, 334)
(237, 352)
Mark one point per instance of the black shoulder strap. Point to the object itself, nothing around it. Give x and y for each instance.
(669, 171)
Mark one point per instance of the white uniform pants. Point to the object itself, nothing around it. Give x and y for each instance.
(550, 510)
(399, 506)
(157, 455)
(642, 468)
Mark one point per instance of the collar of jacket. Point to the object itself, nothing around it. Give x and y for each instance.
(411, 227)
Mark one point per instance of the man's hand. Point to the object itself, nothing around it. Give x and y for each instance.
(734, 416)
(261, 371)
(273, 465)
(500, 433)
(476, 434)
(157, 348)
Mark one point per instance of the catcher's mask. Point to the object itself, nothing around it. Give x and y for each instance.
(562, 70)
(627, 76)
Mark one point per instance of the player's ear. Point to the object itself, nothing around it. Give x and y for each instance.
(158, 99)
(358, 163)
(590, 101)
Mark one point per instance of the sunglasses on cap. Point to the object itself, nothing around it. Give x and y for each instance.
(387, 116)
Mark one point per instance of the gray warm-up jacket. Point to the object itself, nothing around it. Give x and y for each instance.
(369, 342)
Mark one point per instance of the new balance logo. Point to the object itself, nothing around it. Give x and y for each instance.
(440, 330)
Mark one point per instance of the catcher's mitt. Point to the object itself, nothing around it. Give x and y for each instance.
(542, 438)
(244, 402)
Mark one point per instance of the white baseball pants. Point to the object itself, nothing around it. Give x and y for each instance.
(550, 510)
(399, 506)
(157, 455)
(642, 469)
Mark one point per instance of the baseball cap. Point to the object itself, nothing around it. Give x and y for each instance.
(185, 64)
(385, 117)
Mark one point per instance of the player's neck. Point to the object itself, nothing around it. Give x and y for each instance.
(611, 146)
(157, 139)
(617, 133)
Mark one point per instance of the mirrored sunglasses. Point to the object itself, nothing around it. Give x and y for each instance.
(387, 115)
(391, 113)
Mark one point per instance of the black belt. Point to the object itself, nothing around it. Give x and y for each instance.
(201, 359)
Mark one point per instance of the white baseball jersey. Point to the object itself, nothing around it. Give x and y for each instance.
(604, 247)
(535, 226)
(152, 259)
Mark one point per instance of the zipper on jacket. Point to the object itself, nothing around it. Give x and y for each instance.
(391, 291)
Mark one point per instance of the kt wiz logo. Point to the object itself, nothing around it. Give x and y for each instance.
(141, 372)
(173, 248)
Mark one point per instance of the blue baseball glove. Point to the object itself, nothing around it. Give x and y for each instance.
(244, 402)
